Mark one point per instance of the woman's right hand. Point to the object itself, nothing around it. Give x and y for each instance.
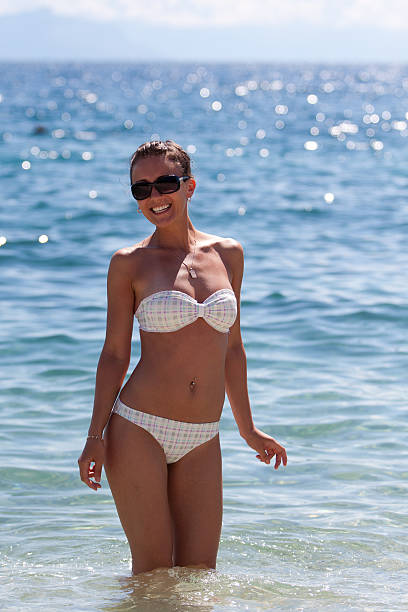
(93, 453)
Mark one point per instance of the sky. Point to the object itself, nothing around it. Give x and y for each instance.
(213, 30)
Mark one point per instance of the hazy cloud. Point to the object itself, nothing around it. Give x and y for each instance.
(386, 14)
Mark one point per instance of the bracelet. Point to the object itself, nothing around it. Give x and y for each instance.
(94, 438)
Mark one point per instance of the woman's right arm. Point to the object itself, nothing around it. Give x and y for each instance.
(113, 363)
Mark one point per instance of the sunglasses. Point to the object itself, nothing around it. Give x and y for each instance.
(168, 183)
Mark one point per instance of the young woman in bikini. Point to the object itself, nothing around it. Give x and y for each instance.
(160, 447)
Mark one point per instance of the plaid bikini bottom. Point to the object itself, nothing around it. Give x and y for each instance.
(177, 438)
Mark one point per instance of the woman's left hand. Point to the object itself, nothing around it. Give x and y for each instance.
(266, 446)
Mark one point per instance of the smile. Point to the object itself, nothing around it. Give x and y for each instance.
(160, 209)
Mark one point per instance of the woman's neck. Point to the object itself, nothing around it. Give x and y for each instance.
(178, 238)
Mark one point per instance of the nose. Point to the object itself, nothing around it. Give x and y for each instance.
(154, 189)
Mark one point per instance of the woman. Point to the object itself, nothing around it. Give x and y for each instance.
(161, 448)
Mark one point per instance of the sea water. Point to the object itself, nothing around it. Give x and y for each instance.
(305, 165)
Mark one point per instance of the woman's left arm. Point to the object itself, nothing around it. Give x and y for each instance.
(236, 374)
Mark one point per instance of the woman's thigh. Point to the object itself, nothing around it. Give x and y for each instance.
(137, 474)
(195, 498)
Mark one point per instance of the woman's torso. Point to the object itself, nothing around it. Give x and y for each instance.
(161, 381)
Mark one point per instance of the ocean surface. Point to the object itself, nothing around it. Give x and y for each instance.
(305, 165)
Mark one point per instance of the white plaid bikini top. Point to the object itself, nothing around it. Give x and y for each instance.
(167, 311)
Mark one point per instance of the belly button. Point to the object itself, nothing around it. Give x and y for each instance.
(193, 384)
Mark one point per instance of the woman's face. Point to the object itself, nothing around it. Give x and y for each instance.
(149, 169)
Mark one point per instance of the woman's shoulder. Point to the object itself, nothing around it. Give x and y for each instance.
(128, 251)
(125, 259)
(230, 251)
(227, 245)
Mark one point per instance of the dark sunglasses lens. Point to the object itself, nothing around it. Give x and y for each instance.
(141, 192)
(167, 184)
(164, 184)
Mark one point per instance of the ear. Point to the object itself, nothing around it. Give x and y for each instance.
(191, 187)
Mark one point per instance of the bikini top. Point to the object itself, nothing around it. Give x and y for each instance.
(167, 311)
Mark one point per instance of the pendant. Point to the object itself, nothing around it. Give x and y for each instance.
(192, 272)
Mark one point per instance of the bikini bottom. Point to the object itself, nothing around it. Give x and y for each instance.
(177, 438)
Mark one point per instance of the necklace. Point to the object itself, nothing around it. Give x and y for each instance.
(190, 269)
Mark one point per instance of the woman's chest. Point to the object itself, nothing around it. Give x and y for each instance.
(198, 277)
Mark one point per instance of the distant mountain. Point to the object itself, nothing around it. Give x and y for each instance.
(42, 35)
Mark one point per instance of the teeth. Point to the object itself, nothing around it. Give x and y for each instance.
(160, 208)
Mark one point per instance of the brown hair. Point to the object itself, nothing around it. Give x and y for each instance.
(169, 149)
